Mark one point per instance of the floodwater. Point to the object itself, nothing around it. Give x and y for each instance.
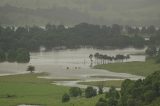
(56, 62)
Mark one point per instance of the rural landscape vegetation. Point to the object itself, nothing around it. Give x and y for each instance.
(79, 53)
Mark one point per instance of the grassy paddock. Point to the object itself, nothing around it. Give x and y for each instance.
(28, 89)
(115, 83)
(136, 68)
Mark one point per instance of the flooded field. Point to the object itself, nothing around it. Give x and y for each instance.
(56, 62)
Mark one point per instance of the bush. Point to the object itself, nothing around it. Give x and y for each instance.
(101, 102)
(113, 93)
(65, 98)
(75, 91)
(90, 92)
(112, 102)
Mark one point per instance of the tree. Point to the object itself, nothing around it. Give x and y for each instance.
(96, 56)
(11, 57)
(131, 102)
(91, 57)
(158, 57)
(75, 91)
(144, 30)
(112, 102)
(101, 102)
(31, 68)
(113, 93)
(120, 57)
(127, 56)
(100, 89)
(149, 96)
(90, 92)
(2, 56)
(65, 98)
(116, 30)
(151, 29)
(23, 56)
(151, 51)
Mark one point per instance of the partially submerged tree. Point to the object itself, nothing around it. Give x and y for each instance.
(91, 57)
(31, 68)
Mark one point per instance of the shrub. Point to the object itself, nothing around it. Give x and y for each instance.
(90, 92)
(75, 91)
(65, 98)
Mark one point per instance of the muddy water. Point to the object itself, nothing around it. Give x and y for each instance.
(56, 62)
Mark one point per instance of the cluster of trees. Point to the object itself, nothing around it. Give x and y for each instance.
(111, 98)
(51, 36)
(73, 92)
(102, 59)
(19, 55)
(133, 93)
(76, 91)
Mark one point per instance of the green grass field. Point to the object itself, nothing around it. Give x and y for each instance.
(136, 68)
(115, 83)
(28, 89)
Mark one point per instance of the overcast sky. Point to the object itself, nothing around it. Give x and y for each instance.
(138, 12)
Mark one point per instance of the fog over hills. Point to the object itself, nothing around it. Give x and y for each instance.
(70, 12)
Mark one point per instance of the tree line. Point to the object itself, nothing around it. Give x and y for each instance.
(84, 34)
(89, 92)
(19, 56)
(104, 58)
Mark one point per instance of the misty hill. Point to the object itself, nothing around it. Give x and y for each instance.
(133, 12)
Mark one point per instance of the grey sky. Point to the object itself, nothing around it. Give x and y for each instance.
(135, 12)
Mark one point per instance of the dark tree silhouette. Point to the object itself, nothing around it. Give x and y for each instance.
(31, 68)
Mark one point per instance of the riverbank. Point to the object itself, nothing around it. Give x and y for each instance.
(136, 68)
(28, 89)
